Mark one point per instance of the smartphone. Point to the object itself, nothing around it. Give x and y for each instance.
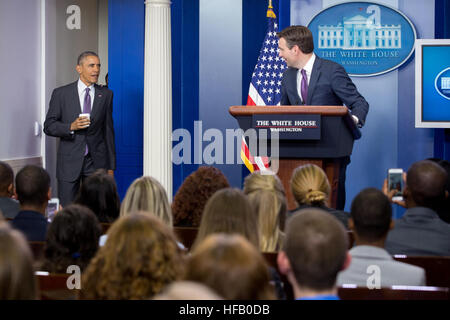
(52, 207)
(395, 181)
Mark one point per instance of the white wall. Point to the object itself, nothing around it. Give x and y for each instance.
(20, 80)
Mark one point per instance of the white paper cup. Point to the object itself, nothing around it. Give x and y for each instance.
(88, 115)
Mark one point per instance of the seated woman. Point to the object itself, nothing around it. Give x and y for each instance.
(140, 258)
(72, 239)
(98, 192)
(17, 280)
(146, 195)
(232, 267)
(229, 211)
(191, 197)
(310, 187)
(266, 194)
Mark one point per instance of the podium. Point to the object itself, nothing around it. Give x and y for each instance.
(329, 135)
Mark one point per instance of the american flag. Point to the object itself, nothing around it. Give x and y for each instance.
(265, 87)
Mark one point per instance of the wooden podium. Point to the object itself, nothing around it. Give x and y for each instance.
(337, 134)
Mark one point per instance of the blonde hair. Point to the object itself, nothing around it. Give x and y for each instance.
(309, 185)
(17, 280)
(228, 211)
(267, 196)
(148, 195)
(140, 258)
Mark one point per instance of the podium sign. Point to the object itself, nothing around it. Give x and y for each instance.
(289, 126)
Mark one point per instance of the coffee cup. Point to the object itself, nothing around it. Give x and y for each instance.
(88, 115)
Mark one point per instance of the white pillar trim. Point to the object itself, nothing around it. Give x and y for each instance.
(158, 94)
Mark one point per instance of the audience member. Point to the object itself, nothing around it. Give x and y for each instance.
(229, 211)
(232, 267)
(420, 231)
(98, 192)
(187, 290)
(191, 197)
(72, 239)
(139, 259)
(17, 281)
(311, 189)
(146, 194)
(370, 221)
(266, 194)
(8, 206)
(444, 210)
(33, 192)
(314, 251)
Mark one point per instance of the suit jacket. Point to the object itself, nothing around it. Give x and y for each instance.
(99, 136)
(32, 224)
(420, 232)
(392, 273)
(329, 85)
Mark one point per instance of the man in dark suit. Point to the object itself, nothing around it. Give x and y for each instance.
(80, 114)
(33, 192)
(311, 80)
(420, 231)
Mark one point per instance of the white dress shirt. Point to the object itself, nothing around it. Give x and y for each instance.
(81, 93)
(308, 68)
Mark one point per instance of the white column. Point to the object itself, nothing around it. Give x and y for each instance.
(158, 94)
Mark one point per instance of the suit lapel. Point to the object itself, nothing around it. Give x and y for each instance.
(75, 99)
(315, 74)
(293, 90)
(98, 98)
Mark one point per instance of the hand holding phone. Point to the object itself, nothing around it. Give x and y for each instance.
(52, 208)
(395, 182)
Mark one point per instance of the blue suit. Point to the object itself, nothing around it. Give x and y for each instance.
(329, 85)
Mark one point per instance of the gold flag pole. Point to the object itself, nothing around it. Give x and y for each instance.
(270, 13)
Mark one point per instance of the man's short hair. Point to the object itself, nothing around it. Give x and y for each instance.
(426, 182)
(298, 35)
(316, 245)
(371, 212)
(6, 176)
(32, 185)
(85, 54)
